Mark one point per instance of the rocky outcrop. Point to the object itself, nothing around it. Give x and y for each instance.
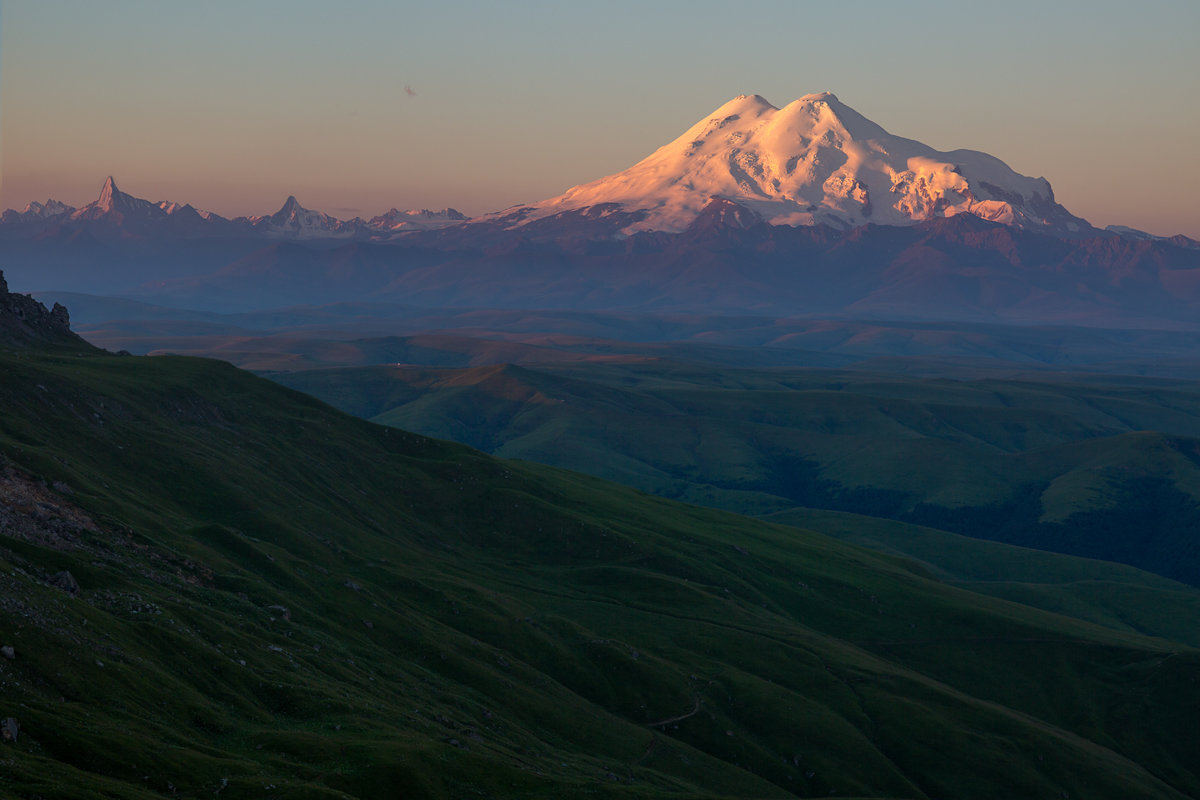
(25, 321)
(66, 581)
(40, 514)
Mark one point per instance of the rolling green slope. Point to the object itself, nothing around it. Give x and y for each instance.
(279, 600)
(1103, 468)
(1103, 592)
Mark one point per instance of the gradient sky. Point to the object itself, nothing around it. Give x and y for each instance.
(359, 106)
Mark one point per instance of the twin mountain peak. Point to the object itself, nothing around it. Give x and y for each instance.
(815, 161)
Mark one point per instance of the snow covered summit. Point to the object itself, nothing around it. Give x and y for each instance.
(814, 161)
(113, 204)
(416, 219)
(294, 221)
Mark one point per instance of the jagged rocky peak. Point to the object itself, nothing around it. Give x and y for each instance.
(112, 199)
(290, 206)
(294, 221)
(416, 219)
(107, 192)
(25, 321)
(115, 206)
(36, 213)
(50, 208)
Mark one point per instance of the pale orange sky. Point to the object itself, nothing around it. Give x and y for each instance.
(232, 107)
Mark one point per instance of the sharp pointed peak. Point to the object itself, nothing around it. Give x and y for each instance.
(289, 207)
(107, 193)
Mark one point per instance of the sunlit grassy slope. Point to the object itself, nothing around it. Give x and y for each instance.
(280, 600)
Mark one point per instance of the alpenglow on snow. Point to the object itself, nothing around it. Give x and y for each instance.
(814, 161)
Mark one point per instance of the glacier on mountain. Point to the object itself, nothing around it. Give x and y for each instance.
(814, 161)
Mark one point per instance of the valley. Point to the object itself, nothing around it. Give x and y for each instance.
(1072, 440)
(274, 598)
(1013, 460)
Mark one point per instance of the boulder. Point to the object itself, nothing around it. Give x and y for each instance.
(66, 581)
(283, 611)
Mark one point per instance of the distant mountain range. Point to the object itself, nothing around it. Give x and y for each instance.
(816, 161)
(115, 211)
(811, 208)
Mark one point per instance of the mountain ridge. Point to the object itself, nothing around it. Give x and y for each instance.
(809, 208)
(115, 211)
(815, 161)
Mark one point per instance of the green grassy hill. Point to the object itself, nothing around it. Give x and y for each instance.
(1100, 467)
(1103, 592)
(276, 599)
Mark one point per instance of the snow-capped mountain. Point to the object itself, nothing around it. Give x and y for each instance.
(1126, 232)
(814, 161)
(117, 206)
(134, 216)
(115, 213)
(36, 212)
(416, 219)
(294, 221)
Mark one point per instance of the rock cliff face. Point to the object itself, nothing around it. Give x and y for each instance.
(24, 321)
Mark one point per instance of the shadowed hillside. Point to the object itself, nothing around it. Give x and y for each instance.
(1106, 468)
(214, 585)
